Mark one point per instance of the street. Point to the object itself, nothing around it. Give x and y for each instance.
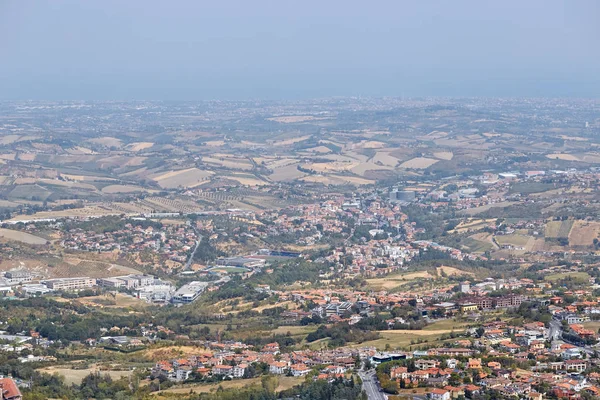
(555, 329)
(371, 386)
(556, 333)
(189, 262)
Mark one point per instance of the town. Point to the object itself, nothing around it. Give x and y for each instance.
(378, 263)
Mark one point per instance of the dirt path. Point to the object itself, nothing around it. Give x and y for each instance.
(111, 266)
(493, 242)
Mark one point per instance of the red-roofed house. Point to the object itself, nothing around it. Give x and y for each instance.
(299, 370)
(9, 388)
(277, 368)
(439, 394)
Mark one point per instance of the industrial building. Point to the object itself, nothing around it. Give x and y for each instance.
(189, 293)
(18, 276)
(127, 281)
(70, 283)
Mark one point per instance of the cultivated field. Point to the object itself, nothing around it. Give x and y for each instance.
(8, 139)
(139, 146)
(80, 150)
(394, 280)
(384, 158)
(75, 376)
(514, 240)
(226, 161)
(487, 207)
(451, 271)
(288, 142)
(293, 119)
(190, 177)
(479, 242)
(371, 144)
(364, 167)
(107, 141)
(29, 192)
(591, 158)
(335, 166)
(583, 233)
(76, 212)
(336, 180)
(248, 180)
(472, 225)
(443, 155)
(114, 189)
(419, 163)
(286, 173)
(558, 229)
(21, 236)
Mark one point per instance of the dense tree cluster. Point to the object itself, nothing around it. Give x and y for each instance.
(341, 334)
(110, 224)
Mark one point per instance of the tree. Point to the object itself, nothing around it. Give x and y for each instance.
(269, 383)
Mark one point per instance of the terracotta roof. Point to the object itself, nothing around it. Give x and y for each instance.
(9, 389)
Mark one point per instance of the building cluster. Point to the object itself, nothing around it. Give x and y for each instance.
(486, 365)
(145, 287)
(237, 360)
(173, 242)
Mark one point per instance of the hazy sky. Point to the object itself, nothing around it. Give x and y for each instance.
(195, 49)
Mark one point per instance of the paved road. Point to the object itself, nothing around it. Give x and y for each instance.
(555, 329)
(556, 333)
(371, 386)
(189, 262)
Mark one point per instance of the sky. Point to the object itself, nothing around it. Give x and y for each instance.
(284, 49)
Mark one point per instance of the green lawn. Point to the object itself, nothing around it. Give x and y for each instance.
(293, 330)
(430, 334)
(477, 246)
(403, 339)
(515, 240)
(582, 276)
(447, 324)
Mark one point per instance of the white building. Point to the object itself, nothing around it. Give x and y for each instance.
(299, 370)
(239, 370)
(70, 283)
(439, 394)
(190, 292)
(33, 290)
(183, 374)
(278, 368)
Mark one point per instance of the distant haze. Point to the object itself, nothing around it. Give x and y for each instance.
(221, 49)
